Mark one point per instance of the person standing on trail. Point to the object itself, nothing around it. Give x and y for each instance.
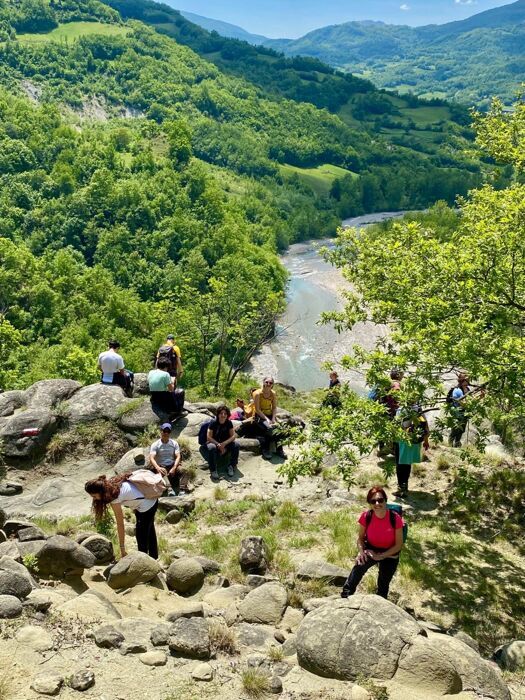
(380, 540)
(456, 400)
(409, 451)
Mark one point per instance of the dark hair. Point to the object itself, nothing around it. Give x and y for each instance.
(373, 491)
(109, 489)
(396, 374)
(114, 344)
(254, 388)
(163, 364)
(223, 407)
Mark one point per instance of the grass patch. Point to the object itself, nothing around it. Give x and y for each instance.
(73, 31)
(275, 653)
(222, 638)
(342, 531)
(255, 683)
(131, 406)
(289, 516)
(69, 526)
(220, 493)
(320, 179)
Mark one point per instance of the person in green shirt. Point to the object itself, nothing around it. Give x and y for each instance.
(161, 387)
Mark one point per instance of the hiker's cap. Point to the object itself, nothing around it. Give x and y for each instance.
(166, 426)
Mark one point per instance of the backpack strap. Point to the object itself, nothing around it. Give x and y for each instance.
(392, 518)
(368, 519)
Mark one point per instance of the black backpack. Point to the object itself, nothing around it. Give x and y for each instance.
(449, 399)
(168, 354)
(203, 432)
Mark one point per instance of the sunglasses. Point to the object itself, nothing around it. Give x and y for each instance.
(377, 500)
(268, 383)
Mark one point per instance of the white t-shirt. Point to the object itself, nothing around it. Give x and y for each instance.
(131, 497)
(110, 362)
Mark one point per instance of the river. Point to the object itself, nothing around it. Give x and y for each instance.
(295, 356)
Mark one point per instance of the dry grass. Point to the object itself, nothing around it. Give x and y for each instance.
(222, 638)
(220, 493)
(275, 653)
(255, 683)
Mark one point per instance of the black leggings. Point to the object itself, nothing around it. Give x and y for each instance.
(145, 532)
(387, 569)
(403, 471)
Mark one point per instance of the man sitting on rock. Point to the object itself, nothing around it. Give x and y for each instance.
(221, 439)
(111, 364)
(165, 457)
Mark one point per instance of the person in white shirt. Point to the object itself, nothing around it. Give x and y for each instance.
(117, 492)
(111, 364)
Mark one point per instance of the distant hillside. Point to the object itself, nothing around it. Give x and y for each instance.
(469, 61)
(231, 31)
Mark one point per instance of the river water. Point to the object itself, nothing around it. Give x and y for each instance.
(302, 345)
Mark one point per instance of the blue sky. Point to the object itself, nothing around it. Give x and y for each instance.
(293, 18)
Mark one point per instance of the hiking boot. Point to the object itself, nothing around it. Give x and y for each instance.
(281, 453)
(214, 475)
(231, 470)
(266, 454)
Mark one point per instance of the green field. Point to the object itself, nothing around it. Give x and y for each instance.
(73, 31)
(320, 179)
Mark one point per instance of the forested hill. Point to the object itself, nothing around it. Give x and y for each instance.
(144, 190)
(471, 60)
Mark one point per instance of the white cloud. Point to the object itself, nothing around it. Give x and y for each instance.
(466, 2)
(406, 7)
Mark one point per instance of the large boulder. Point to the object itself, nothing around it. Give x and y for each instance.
(140, 384)
(425, 667)
(131, 570)
(61, 556)
(319, 570)
(253, 556)
(265, 604)
(90, 606)
(511, 656)
(100, 547)
(184, 504)
(10, 401)
(139, 419)
(48, 392)
(10, 606)
(190, 637)
(15, 579)
(95, 402)
(136, 458)
(185, 576)
(189, 426)
(360, 635)
(25, 435)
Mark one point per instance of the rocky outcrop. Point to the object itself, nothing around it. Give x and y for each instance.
(25, 435)
(48, 392)
(319, 570)
(95, 402)
(367, 635)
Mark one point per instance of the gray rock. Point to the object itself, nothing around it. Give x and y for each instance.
(313, 603)
(100, 547)
(47, 683)
(276, 685)
(319, 570)
(39, 601)
(290, 646)
(250, 445)
(424, 667)
(10, 606)
(253, 556)
(10, 488)
(82, 680)
(189, 425)
(131, 570)
(359, 635)
(90, 606)
(153, 658)
(14, 579)
(190, 637)
(95, 402)
(254, 580)
(140, 419)
(255, 636)
(10, 549)
(61, 556)
(32, 547)
(184, 504)
(466, 639)
(3, 518)
(28, 534)
(202, 672)
(160, 635)
(140, 384)
(136, 458)
(10, 401)
(185, 576)
(279, 637)
(190, 609)
(12, 526)
(35, 638)
(15, 440)
(209, 566)
(265, 604)
(132, 647)
(108, 637)
(48, 392)
(173, 517)
(511, 656)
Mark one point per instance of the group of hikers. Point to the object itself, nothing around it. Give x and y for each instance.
(382, 530)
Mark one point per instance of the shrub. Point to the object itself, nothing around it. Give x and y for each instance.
(222, 638)
(255, 682)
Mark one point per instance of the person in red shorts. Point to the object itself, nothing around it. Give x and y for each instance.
(379, 542)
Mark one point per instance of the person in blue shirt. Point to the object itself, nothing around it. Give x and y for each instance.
(458, 410)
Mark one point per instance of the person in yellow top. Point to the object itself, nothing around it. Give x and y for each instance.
(265, 402)
(171, 353)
